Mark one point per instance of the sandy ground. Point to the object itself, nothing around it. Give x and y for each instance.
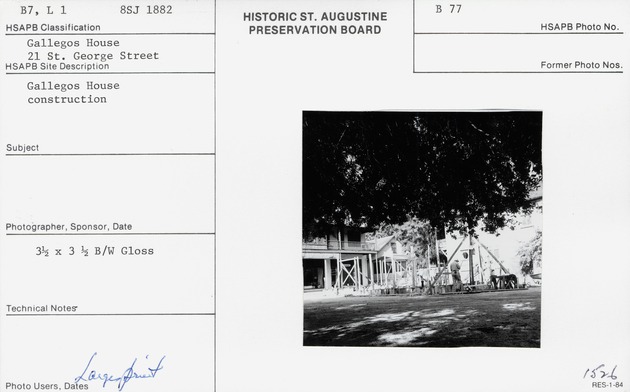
(494, 319)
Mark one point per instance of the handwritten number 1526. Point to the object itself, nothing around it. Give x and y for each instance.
(601, 372)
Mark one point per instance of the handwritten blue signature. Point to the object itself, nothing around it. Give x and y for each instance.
(126, 376)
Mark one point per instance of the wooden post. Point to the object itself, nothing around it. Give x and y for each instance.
(437, 249)
(384, 271)
(339, 272)
(413, 266)
(393, 264)
(480, 263)
(337, 277)
(381, 266)
(429, 260)
(356, 272)
(471, 266)
(371, 270)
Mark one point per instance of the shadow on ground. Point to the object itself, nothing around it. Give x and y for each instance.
(495, 319)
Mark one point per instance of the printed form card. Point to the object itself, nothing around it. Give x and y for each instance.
(391, 179)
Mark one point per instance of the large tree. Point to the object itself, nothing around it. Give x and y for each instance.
(452, 169)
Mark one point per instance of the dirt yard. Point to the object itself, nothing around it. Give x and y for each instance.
(493, 319)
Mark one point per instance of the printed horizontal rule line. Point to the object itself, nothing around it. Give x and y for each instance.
(113, 154)
(53, 234)
(519, 33)
(116, 73)
(41, 34)
(518, 72)
(106, 314)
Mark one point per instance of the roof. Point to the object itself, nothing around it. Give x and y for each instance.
(381, 242)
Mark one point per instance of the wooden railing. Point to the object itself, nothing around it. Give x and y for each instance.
(322, 244)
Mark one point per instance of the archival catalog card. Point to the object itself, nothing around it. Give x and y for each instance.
(271, 195)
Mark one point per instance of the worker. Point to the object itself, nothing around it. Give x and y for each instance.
(494, 282)
(457, 279)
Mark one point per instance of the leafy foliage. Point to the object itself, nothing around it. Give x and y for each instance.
(530, 254)
(366, 168)
(413, 232)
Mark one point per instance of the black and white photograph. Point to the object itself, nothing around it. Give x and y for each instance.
(422, 229)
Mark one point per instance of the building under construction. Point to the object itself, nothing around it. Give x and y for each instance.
(343, 262)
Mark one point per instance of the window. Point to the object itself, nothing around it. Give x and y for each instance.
(354, 236)
(526, 221)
